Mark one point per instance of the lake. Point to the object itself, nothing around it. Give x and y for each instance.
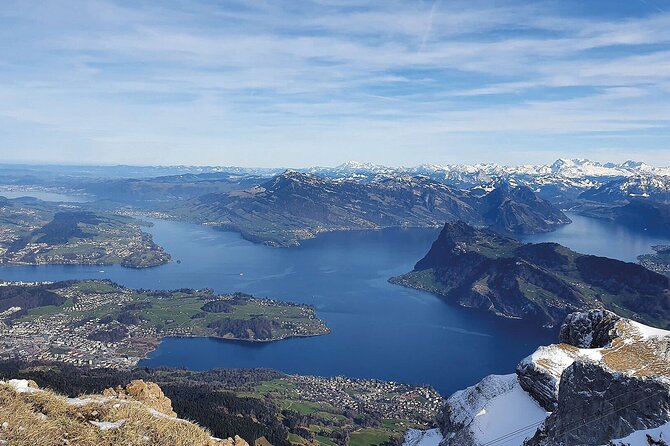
(379, 330)
(601, 238)
(42, 195)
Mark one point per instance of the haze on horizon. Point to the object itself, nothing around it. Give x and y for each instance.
(321, 82)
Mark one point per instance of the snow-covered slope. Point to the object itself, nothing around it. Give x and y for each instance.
(489, 410)
(416, 437)
(658, 436)
(561, 180)
(469, 173)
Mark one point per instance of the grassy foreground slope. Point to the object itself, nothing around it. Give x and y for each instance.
(137, 414)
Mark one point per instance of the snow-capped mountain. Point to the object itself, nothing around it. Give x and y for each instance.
(562, 180)
(655, 187)
(569, 168)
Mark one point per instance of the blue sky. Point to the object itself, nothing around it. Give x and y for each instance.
(320, 82)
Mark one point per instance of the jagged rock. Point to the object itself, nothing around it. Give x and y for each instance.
(591, 329)
(596, 404)
(539, 383)
(147, 392)
(540, 373)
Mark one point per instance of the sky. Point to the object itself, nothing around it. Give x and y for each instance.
(320, 82)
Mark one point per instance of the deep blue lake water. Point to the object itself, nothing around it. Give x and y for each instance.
(601, 238)
(379, 330)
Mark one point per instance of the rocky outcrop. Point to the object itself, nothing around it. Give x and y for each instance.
(237, 441)
(146, 392)
(608, 379)
(540, 373)
(597, 404)
(591, 329)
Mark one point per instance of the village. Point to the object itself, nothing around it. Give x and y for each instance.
(390, 399)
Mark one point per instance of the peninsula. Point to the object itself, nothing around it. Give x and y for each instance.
(102, 324)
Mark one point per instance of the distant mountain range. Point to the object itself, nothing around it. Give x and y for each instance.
(561, 177)
(656, 187)
(481, 269)
(568, 168)
(281, 207)
(294, 206)
(564, 179)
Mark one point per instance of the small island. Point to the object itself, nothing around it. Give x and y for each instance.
(37, 233)
(103, 324)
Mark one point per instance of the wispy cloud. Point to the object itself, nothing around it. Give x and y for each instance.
(320, 81)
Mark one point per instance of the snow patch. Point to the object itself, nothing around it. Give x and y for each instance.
(639, 438)
(556, 358)
(649, 332)
(108, 425)
(21, 386)
(416, 437)
(90, 400)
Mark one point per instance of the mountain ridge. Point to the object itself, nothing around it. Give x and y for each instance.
(295, 206)
(543, 282)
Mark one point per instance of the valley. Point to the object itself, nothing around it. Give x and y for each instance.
(190, 254)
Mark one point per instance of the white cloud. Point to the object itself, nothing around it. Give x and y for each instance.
(113, 76)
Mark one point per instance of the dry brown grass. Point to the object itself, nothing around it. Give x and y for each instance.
(44, 418)
(630, 352)
(633, 354)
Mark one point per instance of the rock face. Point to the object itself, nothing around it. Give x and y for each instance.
(596, 404)
(237, 441)
(543, 282)
(146, 392)
(591, 329)
(608, 379)
(540, 373)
